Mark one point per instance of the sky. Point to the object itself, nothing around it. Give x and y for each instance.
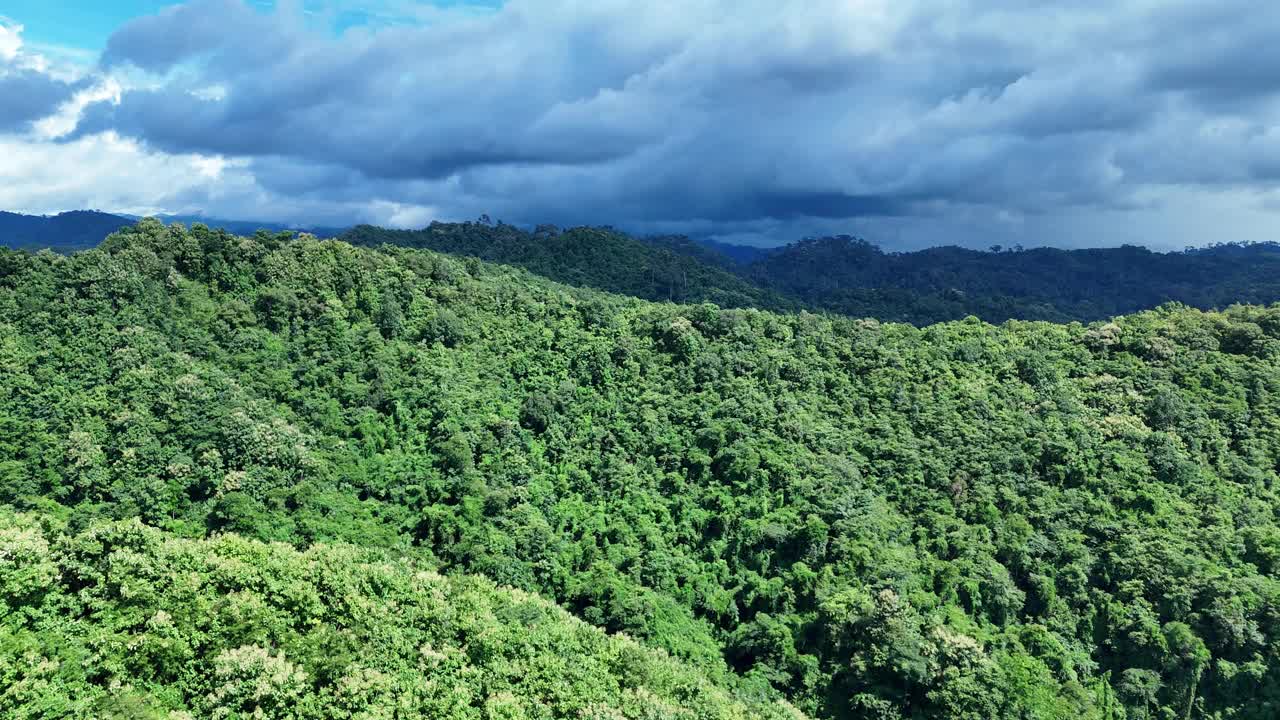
(911, 123)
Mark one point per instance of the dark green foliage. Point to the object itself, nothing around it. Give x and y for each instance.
(876, 520)
(854, 277)
(600, 258)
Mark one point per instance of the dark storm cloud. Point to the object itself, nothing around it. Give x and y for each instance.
(404, 104)
(28, 96)
(1222, 52)
(29, 92)
(662, 114)
(181, 32)
(784, 205)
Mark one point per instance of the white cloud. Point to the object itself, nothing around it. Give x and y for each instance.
(10, 40)
(104, 171)
(67, 115)
(117, 174)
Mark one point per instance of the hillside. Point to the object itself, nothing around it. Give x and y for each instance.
(875, 520)
(856, 278)
(600, 258)
(124, 621)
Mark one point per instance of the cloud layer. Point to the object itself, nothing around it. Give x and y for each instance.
(903, 120)
(29, 91)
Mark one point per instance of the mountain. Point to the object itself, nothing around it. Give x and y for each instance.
(854, 277)
(68, 231)
(600, 258)
(1031, 520)
(83, 229)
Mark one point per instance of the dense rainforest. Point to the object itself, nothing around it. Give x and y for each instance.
(235, 628)
(850, 518)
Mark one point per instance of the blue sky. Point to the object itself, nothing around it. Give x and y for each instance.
(86, 24)
(908, 122)
(81, 25)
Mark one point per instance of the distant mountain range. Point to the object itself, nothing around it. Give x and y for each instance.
(843, 275)
(83, 229)
(68, 231)
(852, 277)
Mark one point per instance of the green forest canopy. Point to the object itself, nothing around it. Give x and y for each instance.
(126, 621)
(871, 520)
(855, 278)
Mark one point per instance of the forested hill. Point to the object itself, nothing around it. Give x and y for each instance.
(600, 258)
(856, 278)
(872, 520)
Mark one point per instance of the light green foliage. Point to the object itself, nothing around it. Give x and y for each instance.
(139, 624)
(874, 520)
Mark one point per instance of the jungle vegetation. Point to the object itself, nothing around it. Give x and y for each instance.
(275, 476)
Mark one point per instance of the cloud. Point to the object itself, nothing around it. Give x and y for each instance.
(726, 118)
(118, 174)
(29, 91)
(104, 171)
(10, 41)
(178, 33)
(30, 96)
(1222, 53)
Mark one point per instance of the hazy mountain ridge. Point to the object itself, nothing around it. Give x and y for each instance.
(68, 231)
(840, 274)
